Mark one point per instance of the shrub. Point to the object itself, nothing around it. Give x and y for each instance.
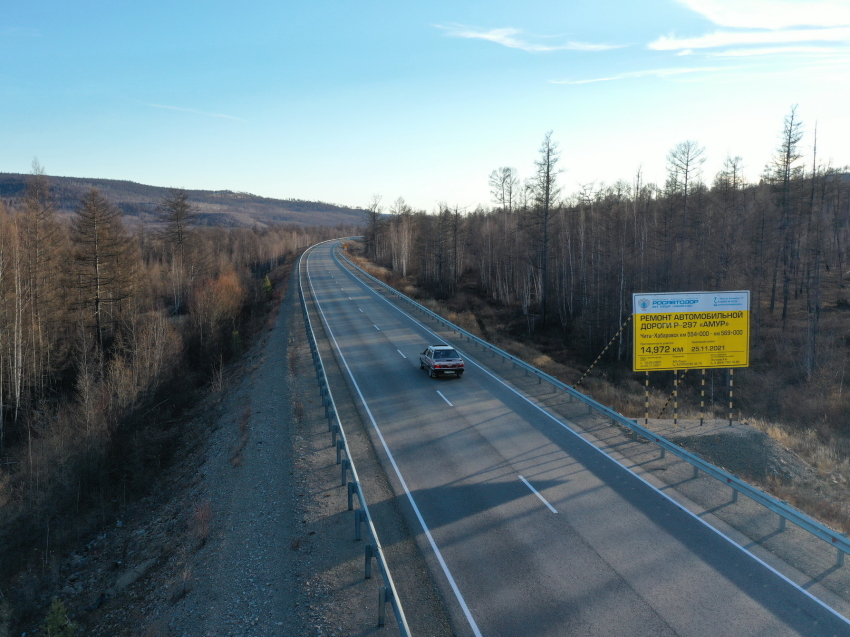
(57, 624)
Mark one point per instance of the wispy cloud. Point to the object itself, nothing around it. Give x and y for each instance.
(662, 73)
(516, 39)
(736, 38)
(772, 14)
(193, 111)
(781, 50)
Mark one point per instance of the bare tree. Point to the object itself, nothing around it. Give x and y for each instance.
(373, 220)
(179, 213)
(784, 162)
(683, 166)
(104, 261)
(545, 194)
(504, 184)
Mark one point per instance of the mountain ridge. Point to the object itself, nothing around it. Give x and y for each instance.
(214, 207)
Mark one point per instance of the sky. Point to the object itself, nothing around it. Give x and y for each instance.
(339, 101)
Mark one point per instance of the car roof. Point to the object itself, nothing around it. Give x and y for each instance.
(442, 347)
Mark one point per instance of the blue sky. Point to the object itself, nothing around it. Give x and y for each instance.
(338, 101)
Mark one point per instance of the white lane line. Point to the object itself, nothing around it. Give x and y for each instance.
(377, 328)
(537, 493)
(663, 494)
(401, 480)
(349, 298)
(360, 309)
(444, 398)
(402, 354)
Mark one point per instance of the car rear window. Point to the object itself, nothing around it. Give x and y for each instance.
(445, 353)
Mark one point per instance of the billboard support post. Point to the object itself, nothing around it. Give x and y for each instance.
(702, 400)
(646, 401)
(675, 397)
(731, 388)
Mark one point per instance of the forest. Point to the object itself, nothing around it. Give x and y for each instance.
(106, 336)
(563, 267)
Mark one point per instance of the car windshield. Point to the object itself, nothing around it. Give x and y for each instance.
(445, 353)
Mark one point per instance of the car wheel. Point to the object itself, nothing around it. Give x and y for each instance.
(421, 366)
(432, 373)
(459, 374)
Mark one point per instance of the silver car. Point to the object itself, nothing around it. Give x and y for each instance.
(440, 360)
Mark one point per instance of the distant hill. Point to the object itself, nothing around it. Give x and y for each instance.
(215, 207)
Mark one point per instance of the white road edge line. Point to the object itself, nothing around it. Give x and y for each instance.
(402, 354)
(537, 493)
(622, 466)
(377, 328)
(401, 480)
(444, 398)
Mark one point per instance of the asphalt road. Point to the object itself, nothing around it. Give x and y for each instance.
(528, 529)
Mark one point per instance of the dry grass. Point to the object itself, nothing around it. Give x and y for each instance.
(244, 434)
(830, 457)
(199, 521)
(292, 357)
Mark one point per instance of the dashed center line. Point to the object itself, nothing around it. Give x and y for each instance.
(402, 353)
(535, 492)
(444, 398)
(377, 328)
(360, 309)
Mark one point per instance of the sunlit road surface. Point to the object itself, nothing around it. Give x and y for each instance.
(528, 529)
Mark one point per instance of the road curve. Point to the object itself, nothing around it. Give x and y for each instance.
(528, 529)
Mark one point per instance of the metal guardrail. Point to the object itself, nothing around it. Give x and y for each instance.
(388, 592)
(782, 509)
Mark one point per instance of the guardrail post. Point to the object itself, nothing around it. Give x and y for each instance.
(345, 463)
(663, 453)
(368, 558)
(840, 560)
(358, 518)
(333, 436)
(339, 447)
(734, 494)
(696, 472)
(382, 605)
(352, 489)
(782, 522)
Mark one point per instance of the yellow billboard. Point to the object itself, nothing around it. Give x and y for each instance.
(691, 330)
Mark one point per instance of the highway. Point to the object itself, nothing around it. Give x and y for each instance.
(528, 529)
